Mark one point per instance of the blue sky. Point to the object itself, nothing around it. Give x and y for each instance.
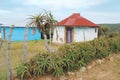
(99, 11)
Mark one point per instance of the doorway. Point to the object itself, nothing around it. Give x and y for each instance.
(69, 35)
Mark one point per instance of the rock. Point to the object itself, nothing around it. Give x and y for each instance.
(71, 76)
(111, 58)
(90, 65)
(83, 69)
(79, 79)
(63, 78)
(103, 59)
(99, 61)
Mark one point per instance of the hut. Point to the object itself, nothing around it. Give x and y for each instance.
(18, 33)
(75, 28)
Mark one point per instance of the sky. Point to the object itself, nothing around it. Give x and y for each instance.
(17, 12)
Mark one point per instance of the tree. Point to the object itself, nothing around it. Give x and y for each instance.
(52, 22)
(45, 22)
(103, 31)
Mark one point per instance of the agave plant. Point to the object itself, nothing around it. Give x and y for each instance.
(44, 22)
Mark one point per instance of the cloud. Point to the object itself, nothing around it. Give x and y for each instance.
(9, 17)
(58, 4)
(60, 9)
(102, 17)
(3, 12)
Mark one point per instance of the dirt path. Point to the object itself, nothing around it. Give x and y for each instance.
(108, 70)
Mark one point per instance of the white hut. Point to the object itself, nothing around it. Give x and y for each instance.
(75, 28)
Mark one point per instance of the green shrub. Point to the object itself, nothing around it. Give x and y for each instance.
(115, 45)
(23, 71)
(113, 34)
(69, 57)
(56, 65)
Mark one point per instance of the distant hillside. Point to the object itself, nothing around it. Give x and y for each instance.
(112, 27)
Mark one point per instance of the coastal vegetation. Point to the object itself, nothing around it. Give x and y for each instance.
(69, 57)
(112, 27)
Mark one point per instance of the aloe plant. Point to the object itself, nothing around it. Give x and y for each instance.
(71, 57)
(44, 22)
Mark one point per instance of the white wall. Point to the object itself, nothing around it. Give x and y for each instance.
(85, 34)
(80, 34)
(58, 35)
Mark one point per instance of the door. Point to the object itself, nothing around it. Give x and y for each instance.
(68, 35)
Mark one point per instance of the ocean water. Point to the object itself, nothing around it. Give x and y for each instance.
(18, 33)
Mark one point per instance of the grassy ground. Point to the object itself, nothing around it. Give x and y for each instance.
(16, 55)
(108, 70)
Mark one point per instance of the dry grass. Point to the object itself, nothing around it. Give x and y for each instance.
(16, 55)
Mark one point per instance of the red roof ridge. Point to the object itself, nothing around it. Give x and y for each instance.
(76, 20)
(75, 15)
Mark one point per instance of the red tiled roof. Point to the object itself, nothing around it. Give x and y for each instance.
(76, 20)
